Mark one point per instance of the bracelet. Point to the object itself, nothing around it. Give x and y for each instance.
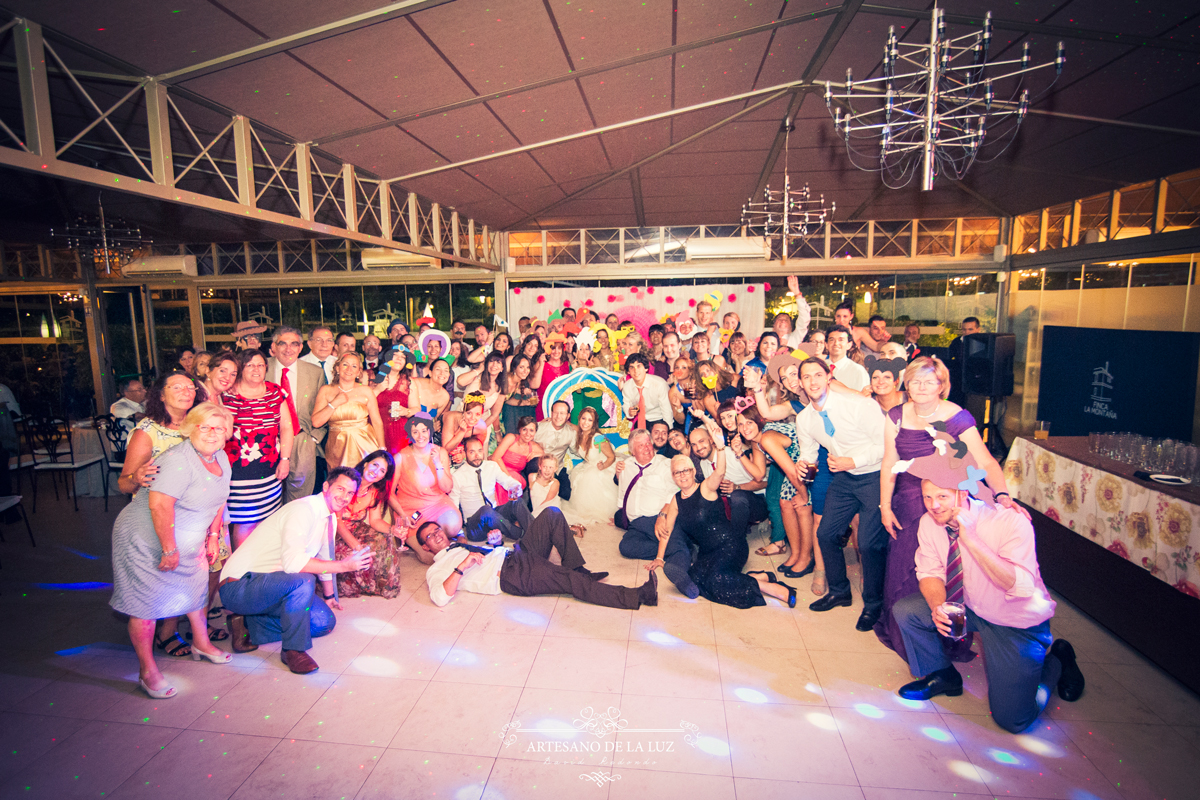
(459, 571)
(171, 552)
(214, 535)
(1004, 494)
(285, 458)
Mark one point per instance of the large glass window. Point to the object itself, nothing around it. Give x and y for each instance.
(172, 323)
(473, 303)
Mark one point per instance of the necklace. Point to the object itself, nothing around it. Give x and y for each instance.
(207, 459)
(930, 414)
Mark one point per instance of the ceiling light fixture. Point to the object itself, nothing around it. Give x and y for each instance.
(788, 214)
(935, 118)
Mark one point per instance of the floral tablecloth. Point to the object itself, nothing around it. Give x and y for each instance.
(1153, 529)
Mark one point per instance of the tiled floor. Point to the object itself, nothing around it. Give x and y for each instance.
(413, 701)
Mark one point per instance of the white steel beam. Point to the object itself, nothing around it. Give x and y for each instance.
(243, 147)
(304, 184)
(158, 109)
(350, 197)
(35, 89)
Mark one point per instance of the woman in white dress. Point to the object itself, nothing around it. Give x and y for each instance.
(593, 493)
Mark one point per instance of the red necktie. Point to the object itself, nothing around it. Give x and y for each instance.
(287, 393)
(641, 420)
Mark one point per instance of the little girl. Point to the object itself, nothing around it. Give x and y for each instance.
(543, 490)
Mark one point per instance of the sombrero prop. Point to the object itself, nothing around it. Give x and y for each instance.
(595, 388)
(786, 358)
(432, 335)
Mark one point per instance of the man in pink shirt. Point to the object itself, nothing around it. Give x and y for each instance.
(983, 557)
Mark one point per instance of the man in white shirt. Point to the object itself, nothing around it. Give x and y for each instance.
(646, 397)
(270, 582)
(851, 429)
(555, 435)
(300, 382)
(524, 571)
(644, 488)
(131, 407)
(320, 351)
(474, 493)
(848, 373)
(745, 494)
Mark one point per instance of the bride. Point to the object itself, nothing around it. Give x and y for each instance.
(593, 493)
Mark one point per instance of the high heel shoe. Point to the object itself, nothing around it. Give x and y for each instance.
(220, 658)
(770, 575)
(791, 573)
(158, 694)
(791, 601)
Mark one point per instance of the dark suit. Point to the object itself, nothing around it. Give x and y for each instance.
(306, 445)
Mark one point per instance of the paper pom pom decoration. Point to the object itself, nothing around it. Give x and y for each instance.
(517, 290)
(566, 303)
(692, 302)
(766, 287)
(670, 299)
(633, 289)
(649, 290)
(541, 298)
(750, 289)
(732, 297)
(589, 302)
(612, 298)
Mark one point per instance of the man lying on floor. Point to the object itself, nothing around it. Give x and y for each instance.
(976, 559)
(525, 570)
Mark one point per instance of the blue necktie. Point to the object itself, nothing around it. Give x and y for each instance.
(828, 422)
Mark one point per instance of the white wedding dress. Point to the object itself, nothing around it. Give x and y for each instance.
(593, 493)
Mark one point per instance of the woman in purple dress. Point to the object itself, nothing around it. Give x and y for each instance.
(910, 433)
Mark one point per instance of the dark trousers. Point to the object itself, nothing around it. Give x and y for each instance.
(849, 495)
(512, 519)
(640, 542)
(746, 509)
(564, 482)
(1021, 673)
(280, 606)
(528, 571)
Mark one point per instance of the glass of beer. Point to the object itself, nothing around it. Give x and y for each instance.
(810, 473)
(1041, 429)
(957, 613)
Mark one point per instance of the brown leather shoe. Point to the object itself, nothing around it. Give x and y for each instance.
(239, 635)
(299, 662)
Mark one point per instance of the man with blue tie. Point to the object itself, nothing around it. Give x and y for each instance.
(851, 429)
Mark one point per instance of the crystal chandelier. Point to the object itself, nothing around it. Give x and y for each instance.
(935, 118)
(111, 242)
(786, 215)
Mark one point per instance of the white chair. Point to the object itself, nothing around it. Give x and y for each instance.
(14, 501)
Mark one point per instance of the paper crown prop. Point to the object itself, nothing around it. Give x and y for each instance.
(554, 315)
(740, 404)
(951, 467)
(893, 365)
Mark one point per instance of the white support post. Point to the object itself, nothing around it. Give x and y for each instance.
(243, 145)
(454, 239)
(472, 251)
(350, 197)
(304, 184)
(385, 210)
(435, 217)
(414, 221)
(158, 115)
(35, 89)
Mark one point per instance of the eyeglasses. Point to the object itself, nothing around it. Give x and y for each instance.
(289, 344)
(683, 471)
(928, 383)
(207, 429)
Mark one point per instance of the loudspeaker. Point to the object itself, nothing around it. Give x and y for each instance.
(988, 364)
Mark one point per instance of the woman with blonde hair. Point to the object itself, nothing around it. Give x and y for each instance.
(352, 413)
(165, 540)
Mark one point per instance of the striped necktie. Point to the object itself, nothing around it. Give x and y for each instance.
(954, 578)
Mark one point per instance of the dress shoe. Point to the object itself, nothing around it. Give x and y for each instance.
(239, 635)
(791, 573)
(648, 591)
(299, 662)
(944, 681)
(831, 601)
(1070, 683)
(845, 537)
(683, 582)
(866, 620)
(596, 576)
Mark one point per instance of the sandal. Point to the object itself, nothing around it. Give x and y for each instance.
(770, 575)
(214, 634)
(174, 646)
(819, 586)
(779, 549)
(216, 612)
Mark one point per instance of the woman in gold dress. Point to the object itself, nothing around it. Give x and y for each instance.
(350, 409)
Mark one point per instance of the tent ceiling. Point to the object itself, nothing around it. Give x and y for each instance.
(1133, 62)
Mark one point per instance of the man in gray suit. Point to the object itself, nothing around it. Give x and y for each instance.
(300, 381)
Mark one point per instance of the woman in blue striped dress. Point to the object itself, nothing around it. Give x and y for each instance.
(258, 447)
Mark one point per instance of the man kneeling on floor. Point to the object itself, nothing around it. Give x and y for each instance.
(269, 584)
(981, 557)
(525, 570)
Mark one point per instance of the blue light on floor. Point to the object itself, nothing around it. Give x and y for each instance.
(1002, 756)
(378, 666)
(1039, 746)
(1080, 794)
(82, 586)
(474, 791)
(823, 721)
(374, 627)
(555, 729)
(73, 651)
(868, 710)
(712, 746)
(81, 554)
(666, 639)
(904, 701)
(750, 695)
(527, 617)
(937, 734)
(462, 658)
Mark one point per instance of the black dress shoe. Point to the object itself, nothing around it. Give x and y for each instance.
(866, 620)
(831, 601)
(596, 576)
(940, 682)
(1070, 683)
(791, 573)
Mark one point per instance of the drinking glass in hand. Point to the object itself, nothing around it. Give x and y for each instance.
(957, 613)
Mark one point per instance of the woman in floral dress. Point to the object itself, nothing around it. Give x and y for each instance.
(361, 524)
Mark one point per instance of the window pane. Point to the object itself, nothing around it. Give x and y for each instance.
(432, 296)
(300, 309)
(341, 308)
(218, 307)
(474, 303)
(172, 324)
(384, 304)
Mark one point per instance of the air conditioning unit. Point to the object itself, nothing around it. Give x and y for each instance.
(161, 265)
(386, 258)
(742, 247)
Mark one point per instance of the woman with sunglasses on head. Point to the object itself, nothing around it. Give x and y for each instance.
(696, 511)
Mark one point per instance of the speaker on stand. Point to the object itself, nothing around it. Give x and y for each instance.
(987, 372)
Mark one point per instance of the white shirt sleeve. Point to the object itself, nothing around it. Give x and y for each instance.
(443, 566)
(869, 451)
(303, 531)
(501, 477)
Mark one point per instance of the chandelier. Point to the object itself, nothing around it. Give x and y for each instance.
(935, 118)
(786, 215)
(111, 242)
